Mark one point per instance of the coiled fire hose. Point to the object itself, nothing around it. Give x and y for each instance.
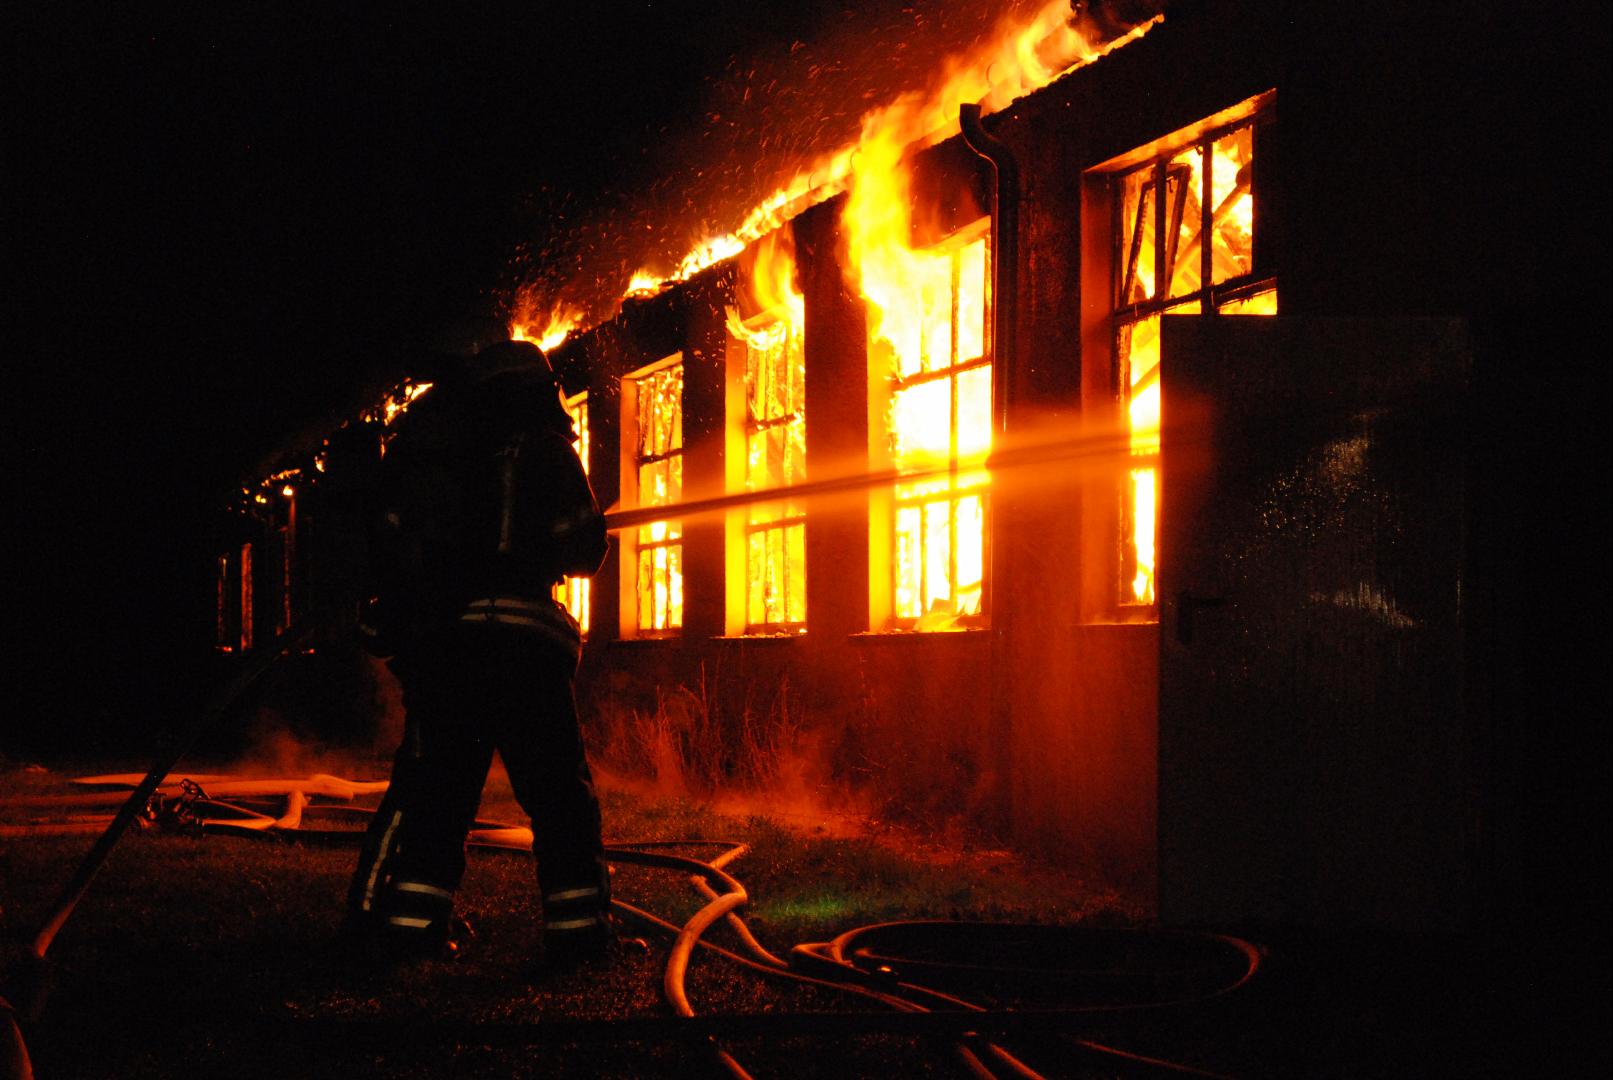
(836, 966)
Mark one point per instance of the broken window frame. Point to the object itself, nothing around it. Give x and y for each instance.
(668, 620)
(1210, 298)
(781, 516)
(954, 246)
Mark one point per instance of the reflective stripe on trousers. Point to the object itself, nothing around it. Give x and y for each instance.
(417, 906)
(575, 909)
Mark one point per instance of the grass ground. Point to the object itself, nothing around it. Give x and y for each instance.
(208, 953)
(212, 955)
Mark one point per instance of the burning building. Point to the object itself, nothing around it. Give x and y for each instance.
(1084, 450)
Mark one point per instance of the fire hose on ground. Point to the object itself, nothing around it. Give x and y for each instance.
(880, 963)
(35, 980)
(841, 965)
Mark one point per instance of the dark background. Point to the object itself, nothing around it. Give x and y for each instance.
(227, 223)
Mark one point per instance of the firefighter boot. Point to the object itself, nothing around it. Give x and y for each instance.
(576, 921)
(416, 922)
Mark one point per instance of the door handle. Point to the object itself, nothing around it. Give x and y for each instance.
(1188, 606)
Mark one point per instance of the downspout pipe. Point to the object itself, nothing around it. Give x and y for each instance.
(1004, 259)
(1004, 368)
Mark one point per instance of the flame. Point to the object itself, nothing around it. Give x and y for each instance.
(775, 434)
(1232, 206)
(396, 404)
(927, 310)
(915, 300)
(773, 277)
(709, 252)
(558, 323)
(899, 283)
(1144, 502)
(1018, 58)
(644, 283)
(774, 293)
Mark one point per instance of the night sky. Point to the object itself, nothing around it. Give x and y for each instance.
(226, 221)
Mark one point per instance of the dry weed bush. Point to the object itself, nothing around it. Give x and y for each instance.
(709, 737)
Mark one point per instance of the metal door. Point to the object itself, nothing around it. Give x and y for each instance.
(1313, 748)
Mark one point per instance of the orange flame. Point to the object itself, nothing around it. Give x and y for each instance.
(774, 292)
(557, 324)
(644, 283)
(928, 308)
(1018, 58)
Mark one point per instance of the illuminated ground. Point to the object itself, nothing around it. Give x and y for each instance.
(208, 952)
(211, 955)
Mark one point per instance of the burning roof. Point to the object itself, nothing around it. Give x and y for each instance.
(785, 132)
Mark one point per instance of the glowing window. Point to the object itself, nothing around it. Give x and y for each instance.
(286, 615)
(940, 433)
(573, 592)
(246, 597)
(1163, 211)
(283, 615)
(658, 471)
(775, 458)
(221, 607)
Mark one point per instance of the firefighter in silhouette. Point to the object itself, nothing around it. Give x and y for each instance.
(481, 506)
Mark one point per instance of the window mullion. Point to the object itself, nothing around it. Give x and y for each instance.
(1161, 271)
(1173, 231)
(1206, 223)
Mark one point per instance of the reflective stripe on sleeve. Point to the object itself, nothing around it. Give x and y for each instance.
(571, 894)
(511, 603)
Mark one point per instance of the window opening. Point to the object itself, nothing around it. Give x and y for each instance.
(573, 593)
(221, 607)
(775, 458)
(286, 613)
(1164, 209)
(658, 466)
(246, 597)
(940, 431)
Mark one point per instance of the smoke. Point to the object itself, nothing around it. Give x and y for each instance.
(279, 742)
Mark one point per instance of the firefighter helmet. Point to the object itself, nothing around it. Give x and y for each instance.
(506, 358)
(513, 380)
